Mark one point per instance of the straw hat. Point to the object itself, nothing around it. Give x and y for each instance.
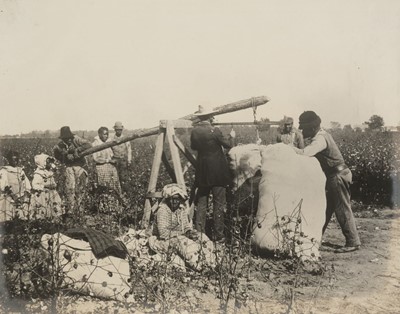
(204, 112)
(118, 125)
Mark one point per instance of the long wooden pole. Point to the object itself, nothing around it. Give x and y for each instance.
(239, 105)
(248, 123)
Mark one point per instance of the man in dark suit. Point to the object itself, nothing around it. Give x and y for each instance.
(212, 172)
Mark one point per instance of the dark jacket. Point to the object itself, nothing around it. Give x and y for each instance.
(212, 167)
(69, 154)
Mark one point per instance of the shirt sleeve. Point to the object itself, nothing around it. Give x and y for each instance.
(82, 144)
(59, 152)
(99, 157)
(318, 144)
(26, 182)
(37, 182)
(184, 220)
(300, 140)
(221, 139)
(193, 143)
(3, 179)
(164, 222)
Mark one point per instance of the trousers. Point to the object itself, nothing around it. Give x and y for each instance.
(338, 202)
(219, 208)
(75, 187)
(123, 173)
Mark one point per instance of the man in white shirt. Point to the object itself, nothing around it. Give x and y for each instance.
(338, 177)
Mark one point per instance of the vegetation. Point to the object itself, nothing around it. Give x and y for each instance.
(28, 272)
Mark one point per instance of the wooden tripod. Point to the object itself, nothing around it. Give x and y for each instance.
(167, 131)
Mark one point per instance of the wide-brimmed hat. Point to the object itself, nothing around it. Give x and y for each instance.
(204, 112)
(65, 132)
(118, 125)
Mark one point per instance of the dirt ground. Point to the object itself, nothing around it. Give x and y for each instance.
(364, 281)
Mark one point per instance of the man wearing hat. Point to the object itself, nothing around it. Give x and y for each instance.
(67, 152)
(122, 156)
(290, 135)
(338, 177)
(212, 171)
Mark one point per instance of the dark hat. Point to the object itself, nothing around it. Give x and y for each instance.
(309, 119)
(65, 133)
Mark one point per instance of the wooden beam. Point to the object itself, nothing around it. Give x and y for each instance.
(155, 169)
(248, 123)
(176, 160)
(185, 151)
(239, 105)
(177, 124)
(168, 167)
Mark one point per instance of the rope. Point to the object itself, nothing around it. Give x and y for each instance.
(258, 139)
(254, 109)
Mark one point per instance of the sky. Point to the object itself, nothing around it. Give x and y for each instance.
(90, 63)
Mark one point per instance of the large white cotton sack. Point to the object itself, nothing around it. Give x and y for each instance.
(106, 278)
(245, 161)
(292, 203)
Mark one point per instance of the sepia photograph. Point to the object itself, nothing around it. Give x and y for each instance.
(200, 156)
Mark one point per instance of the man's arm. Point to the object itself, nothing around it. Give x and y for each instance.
(193, 142)
(60, 153)
(82, 144)
(300, 140)
(318, 144)
(221, 139)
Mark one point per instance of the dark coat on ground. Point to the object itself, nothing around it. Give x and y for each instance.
(212, 166)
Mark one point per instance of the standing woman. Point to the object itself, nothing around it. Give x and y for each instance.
(107, 175)
(212, 172)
